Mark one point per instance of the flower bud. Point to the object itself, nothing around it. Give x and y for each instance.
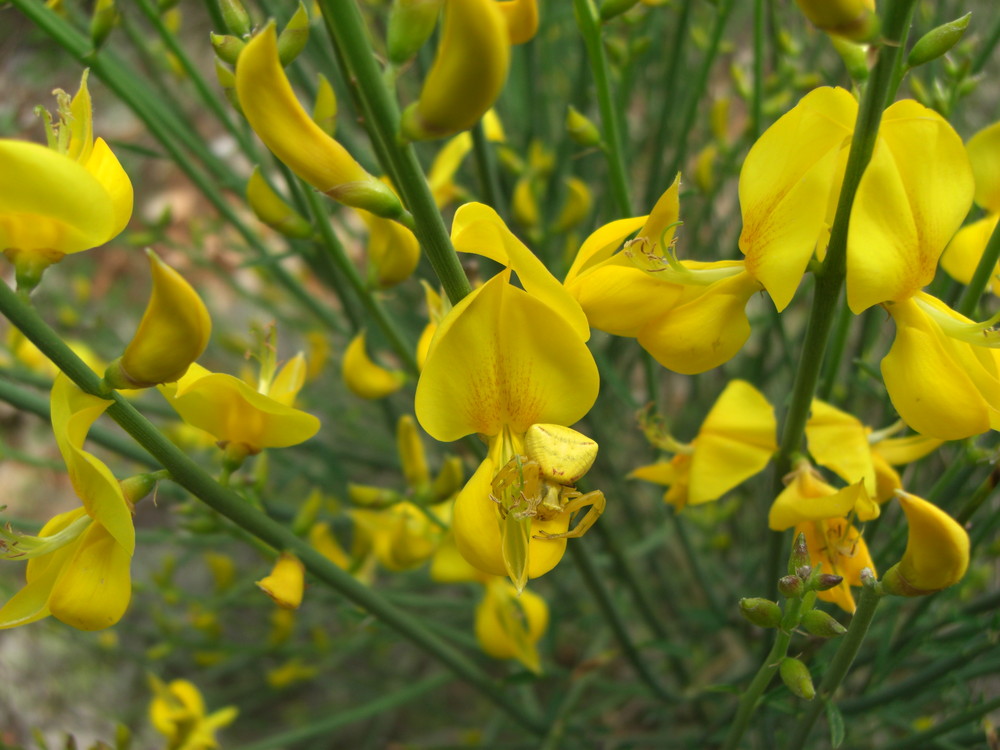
(104, 19)
(411, 453)
(227, 81)
(612, 8)
(467, 75)
(937, 42)
(364, 377)
(817, 622)
(791, 586)
(509, 625)
(761, 612)
(800, 555)
(855, 58)
(172, 334)
(449, 480)
(581, 129)
(278, 119)
(307, 513)
(136, 487)
(292, 39)
(367, 496)
(854, 19)
(577, 206)
(795, 675)
(937, 551)
(827, 581)
(411, 23)
(227, 47)
(272, 210)
(286, 582)
(236, 18)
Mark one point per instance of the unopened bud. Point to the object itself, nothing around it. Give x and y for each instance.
(411, 23)
(938, 42)
(324, 112)
(791, 587)
(292, 39)
(236, 18)
(104, 19)
(800, 555)
(818, 622)
(581, 129)
(449, 480)
(307, 513)
(365, 377)
(227, 47)
(761, 612)
(136, 487)
(411, 453)
(854, 56)
(795, 675)
(612, 8)
(372, 497)
(271, 209)
(827, 581)
(854, 19)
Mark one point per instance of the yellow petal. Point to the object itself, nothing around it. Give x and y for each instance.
(602, 243)
(286, 582)
(984, 153)
(50, 202)
(172, 334)
(478, 229)
(321, 537)
(232, 411)
(73, 412)
(468, 72)
(393, 250)
(289, 380)
(785, 185)
(289, 132)
(912, 198)
(522, 19)
(807, 498)
(899, 451)
(965, 250)
(839, 442)
(441, 175)
(95, 586)
(364, 377)
(937, 550)
(928, 380)
(735, 442)
(108, 171)
(504, 358)
(272, 209)
(705, 332)
(448, 565)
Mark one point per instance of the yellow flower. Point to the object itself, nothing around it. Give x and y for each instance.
(177, 711)
(468, 73)
(402, 536)
(364, 377)
(823, 513)
(234, 413)
(393, 250)
(735, 442)
(286, 583)
(79, 564)
(503, 363)
(287, 130)
(914, 194)
(854, 19)
(172, 334)
(963, 253)
(937, 551)
(509, 625)
(942, 370)
(64, 199)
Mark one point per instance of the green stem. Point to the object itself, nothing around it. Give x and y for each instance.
(377, 707)
(851, 641)
(830, 278)
(404, 350)
(751, 697)
(589, 21)
(605, 603)
(982, 492)
(350, 35)
(985, 273)
(197, 481)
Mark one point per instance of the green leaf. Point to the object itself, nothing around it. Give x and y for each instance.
(836, 721)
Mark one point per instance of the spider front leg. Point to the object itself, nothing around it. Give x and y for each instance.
(597, 503)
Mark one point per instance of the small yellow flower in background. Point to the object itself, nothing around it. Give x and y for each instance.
(272, 210)
(29, 355)
(245, 420)
(937, 551)
(286, 583)
(966, 248)
(441, 175)
(223, 570)
(854, 19)
(823, 514)
(393, 251)
(172, 334)
(177, 711)
(402, 537)
(735, 442)
(79, 564)
(289, 132)
(437, 308)
(913, 196)
(505, 362)
(69, 197)
(364, 377)
(290, 673)
(509, 625)
(468, 73)
(942, 370)
(321, 537)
